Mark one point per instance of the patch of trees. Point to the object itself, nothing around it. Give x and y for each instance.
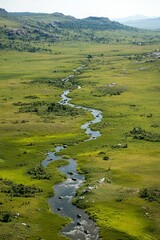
(152, 195)
(42, 107)
(59, 109)
(39, 172)
(21, 47)
(141, 134)
(49, 81)
(72, 83)
(111, 89)
(19, 190)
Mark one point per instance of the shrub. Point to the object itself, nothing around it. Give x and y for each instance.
(150, 194)
(111, 89)
(6, 216)
(120, 145)
(106, 158)
(139, 133)
(19, 190)
(42, 108)
(39, 172)
(70, 83)
(31, 97)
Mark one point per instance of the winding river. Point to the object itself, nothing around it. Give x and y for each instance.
(81, 226)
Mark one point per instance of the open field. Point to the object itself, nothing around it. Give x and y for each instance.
(120, 80)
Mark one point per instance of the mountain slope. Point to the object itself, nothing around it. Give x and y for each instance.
(28, 28)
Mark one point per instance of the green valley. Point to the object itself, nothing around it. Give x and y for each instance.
(120, 77)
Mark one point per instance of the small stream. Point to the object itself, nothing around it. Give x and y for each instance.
(81, 226)
(97, 115)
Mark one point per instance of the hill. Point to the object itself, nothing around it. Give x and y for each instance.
(20, 30)
(25, 31)
(60, 20)
(50, 22)
(130, 18)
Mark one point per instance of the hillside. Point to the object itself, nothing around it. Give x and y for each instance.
(24, 31)
(20, 31)
(24, 28)
(59, 20)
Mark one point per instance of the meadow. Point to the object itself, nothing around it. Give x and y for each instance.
(120, 80)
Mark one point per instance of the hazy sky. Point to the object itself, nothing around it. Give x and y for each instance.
(85, 8)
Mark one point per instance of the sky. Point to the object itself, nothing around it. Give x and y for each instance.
(86, 8)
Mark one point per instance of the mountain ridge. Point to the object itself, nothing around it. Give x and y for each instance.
(88, 22)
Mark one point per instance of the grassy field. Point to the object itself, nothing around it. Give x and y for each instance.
(120, 80)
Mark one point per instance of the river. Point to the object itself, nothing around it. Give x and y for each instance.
(81, 226)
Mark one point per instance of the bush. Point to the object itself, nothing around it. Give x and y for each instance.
(120, 145)
(42, 108)
(111, 89)
(6, 217)
(150, 194)
(39, 172)
(31, 97)
(105, 158)
(139, 133)
(19, 190)
(71, 83)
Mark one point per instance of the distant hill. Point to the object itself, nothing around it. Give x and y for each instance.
(150, 24)
(141, 22)
(130, 18)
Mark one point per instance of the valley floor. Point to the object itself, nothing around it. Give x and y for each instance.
(120, 80)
